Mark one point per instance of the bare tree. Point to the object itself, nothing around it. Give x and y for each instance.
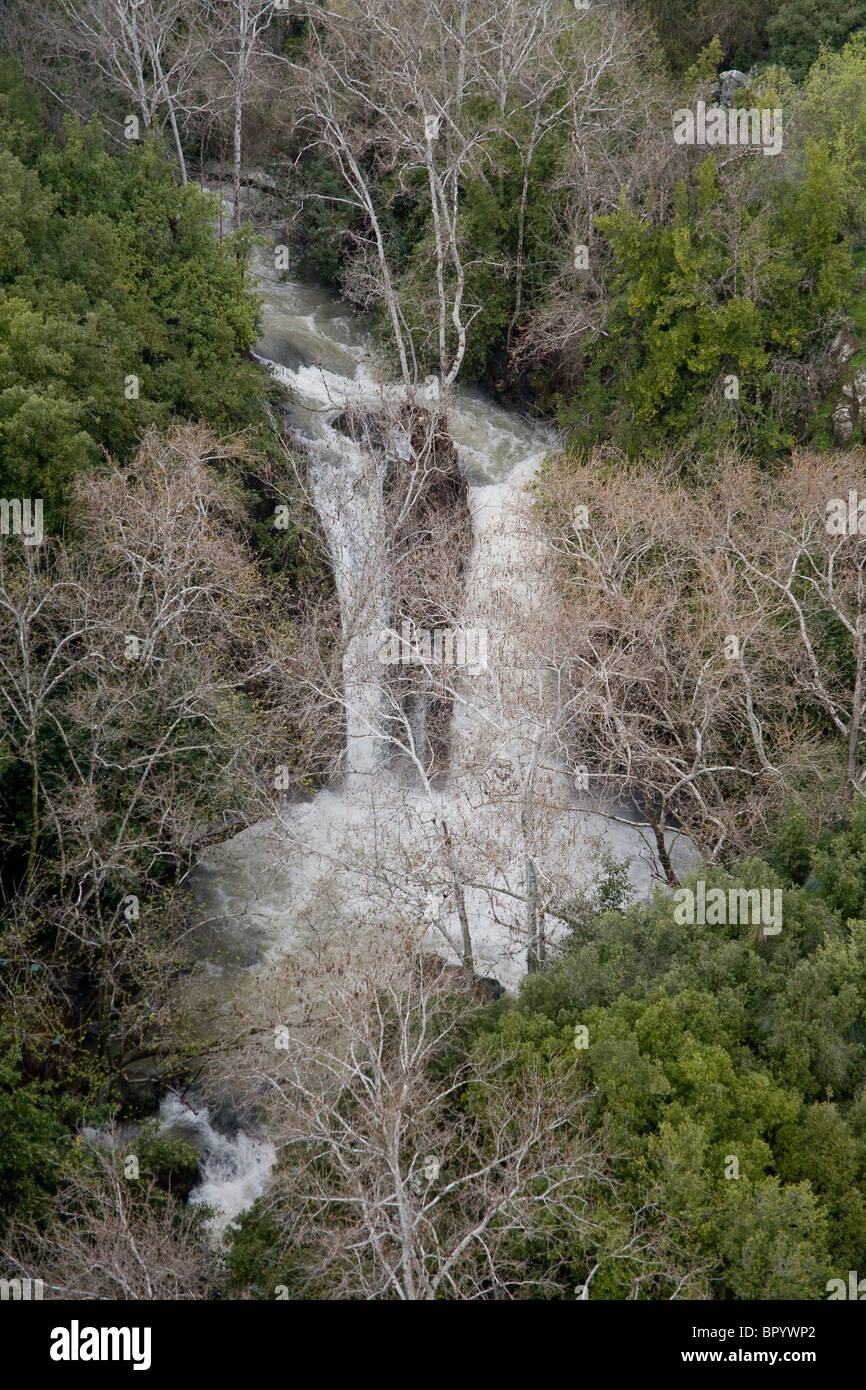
(384, 88)
(415, 1168)
(694, 639)
(617, 121)
(234, 34)
(141, 49)
(808, 564)
(113, 1236)
(139, 687)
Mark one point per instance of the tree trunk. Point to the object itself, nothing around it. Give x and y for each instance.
(521, 232)
(172, 117)
(34, 821)
(236, 156)
(460, 902)
(535, 950)
(661, 846)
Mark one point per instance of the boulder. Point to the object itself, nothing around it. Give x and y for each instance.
(843, 422)
(844, 358)
(727, 85)
(843, 347)
(487, 989)
(435, 969)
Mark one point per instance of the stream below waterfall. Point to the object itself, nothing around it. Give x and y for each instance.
(317, 867)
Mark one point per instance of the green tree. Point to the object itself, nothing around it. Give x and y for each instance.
(727, 1071)
(686, 312)
(834, 110)
(33, 1137)
(119, 308)
(800, 28)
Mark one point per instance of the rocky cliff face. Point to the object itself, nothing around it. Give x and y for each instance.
(849, 413)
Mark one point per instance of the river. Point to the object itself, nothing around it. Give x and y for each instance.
(370, 844)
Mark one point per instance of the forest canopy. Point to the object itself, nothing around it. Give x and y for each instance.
(338, 341)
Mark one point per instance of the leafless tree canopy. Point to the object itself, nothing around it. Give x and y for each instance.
(712, 638)
(145, 679)
(111, 1238)
(413, 1170)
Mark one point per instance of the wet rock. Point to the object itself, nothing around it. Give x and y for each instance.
(843, 422)
(727, 85)
(140, 1086)
(848, 377)
(365, 428)
(251, 178)
(435, 969)
(843, 347)
(487, 989)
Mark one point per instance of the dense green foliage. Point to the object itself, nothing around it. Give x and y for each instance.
(690, 306)
(834, 111)
(800, 28)
(33, 1138)
(684, 29)
(108, 271)
(790, 32)
(705, 1044)
(38, 1148)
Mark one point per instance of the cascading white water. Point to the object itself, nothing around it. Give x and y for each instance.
(373, 844)
(496, 450)
(234, 1169)
(346, 489)
(371, 847)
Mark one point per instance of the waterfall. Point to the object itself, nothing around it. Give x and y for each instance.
(374, 842)
(371, 847)
(346, 487)
(234, 1168)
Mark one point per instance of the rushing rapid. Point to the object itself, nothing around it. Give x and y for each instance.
(276, 878)
(369, 847)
